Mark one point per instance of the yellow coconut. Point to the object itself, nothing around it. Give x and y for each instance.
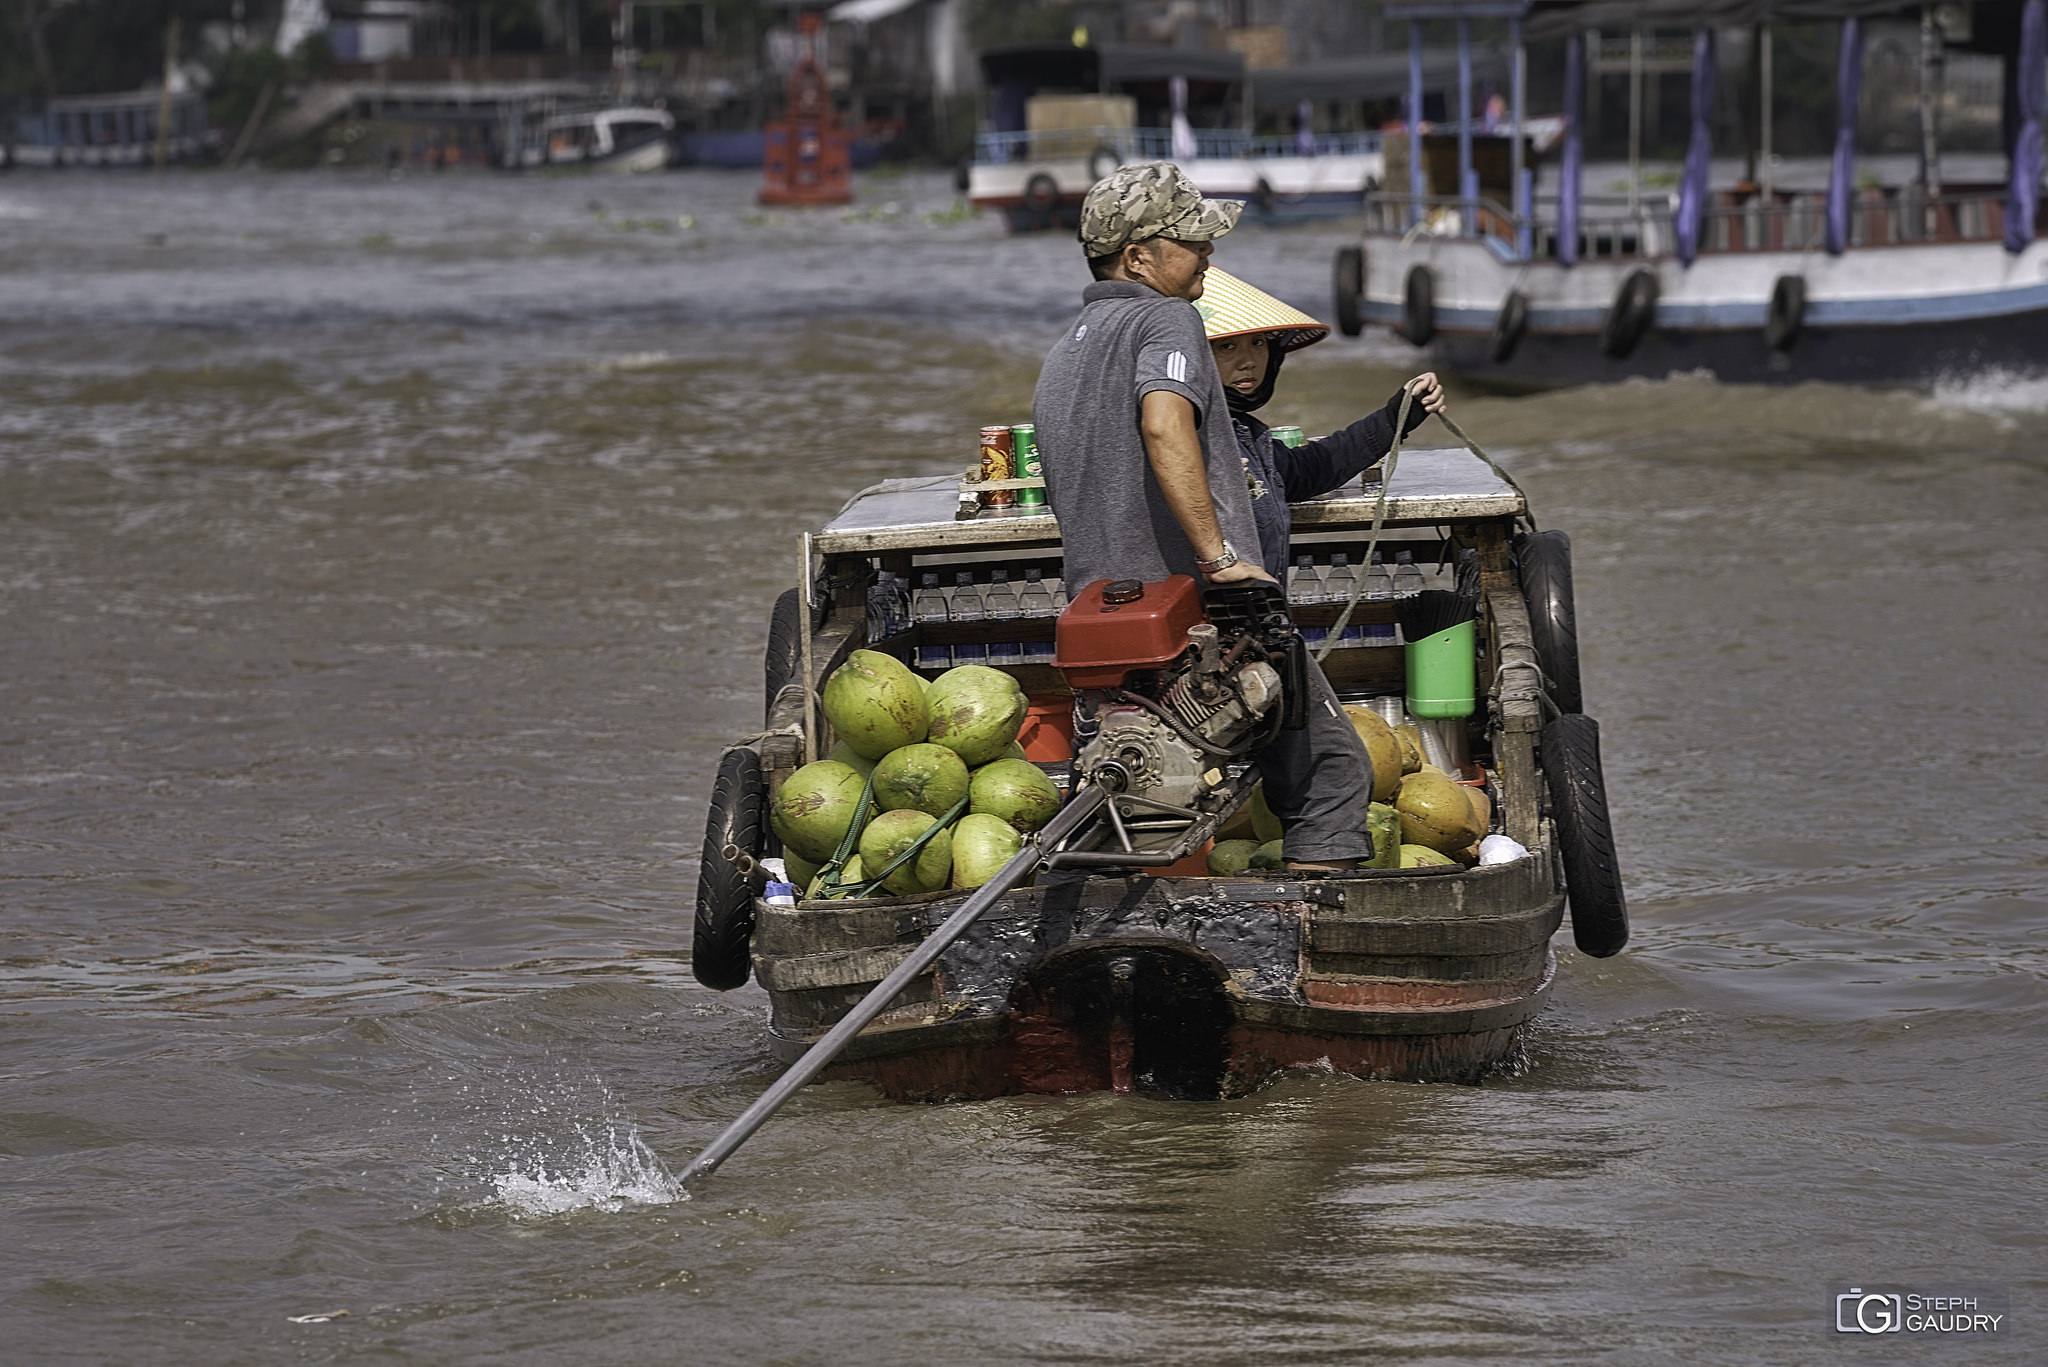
(1435, 812)
(1411, 746)
(1381, 745)
(1482, 807)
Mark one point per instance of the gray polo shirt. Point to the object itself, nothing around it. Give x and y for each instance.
(1115, 523)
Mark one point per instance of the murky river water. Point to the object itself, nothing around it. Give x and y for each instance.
(382, 566)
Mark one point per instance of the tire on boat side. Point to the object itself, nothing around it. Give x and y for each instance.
(1787, 312)
(1350, 286)
(784, 653)
(725, 898)
(1509, 325)
(1041, 194)
(1418, 305)
(1544, 562)
(1570, 751)
(1102, 161)
(1630, 317)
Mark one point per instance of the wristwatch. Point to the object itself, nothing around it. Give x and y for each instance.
(1221, 562)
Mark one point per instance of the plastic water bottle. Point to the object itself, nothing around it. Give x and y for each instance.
(1059, 595)
(1002, 606)
(1305, 589)
(1035, 602)
(1407, 577)
(929, 608)
(964, 604)
(1338, 584)
(1379, 588)
(887, 601)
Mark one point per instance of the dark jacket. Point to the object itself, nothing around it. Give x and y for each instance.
(1279, 475)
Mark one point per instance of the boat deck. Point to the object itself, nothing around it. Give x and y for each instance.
(1429, 486)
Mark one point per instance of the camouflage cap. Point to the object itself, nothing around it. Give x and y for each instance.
(1152, 199)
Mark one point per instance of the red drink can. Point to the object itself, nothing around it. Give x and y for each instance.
(998, 461)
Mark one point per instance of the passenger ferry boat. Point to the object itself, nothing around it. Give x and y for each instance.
(1128, 965)
(627, 139)
(1755, 282)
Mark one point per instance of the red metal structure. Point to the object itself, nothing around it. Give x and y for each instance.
(809, 158)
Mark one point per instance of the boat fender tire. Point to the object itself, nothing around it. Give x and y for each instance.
(1263, 196)
(1102, 162)
(725, 896)
(1418, 305)
(1544, 562)
(1509, 325)
(1350, 288)
(783, 656)
(1570, 751)
(963, 175)
(1041, 193)
(1787, 312)
(1630, 317)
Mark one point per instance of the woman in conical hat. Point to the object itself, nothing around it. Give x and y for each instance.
(1251, 333)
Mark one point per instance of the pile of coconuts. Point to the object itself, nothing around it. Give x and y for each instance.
(1419, 814)
(928, 746)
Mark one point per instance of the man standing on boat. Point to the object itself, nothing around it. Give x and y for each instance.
(1142, 466)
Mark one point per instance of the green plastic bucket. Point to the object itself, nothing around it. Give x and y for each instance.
(1442, 673)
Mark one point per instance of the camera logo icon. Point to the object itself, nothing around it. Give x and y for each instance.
(1871, 1312)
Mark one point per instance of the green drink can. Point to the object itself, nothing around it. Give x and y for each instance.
(1024, 444)
(1286, 434)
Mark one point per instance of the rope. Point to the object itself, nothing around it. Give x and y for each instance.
(910, 852)
(1379, 507)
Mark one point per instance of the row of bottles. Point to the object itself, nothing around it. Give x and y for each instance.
(1309, 586)
(999, 600)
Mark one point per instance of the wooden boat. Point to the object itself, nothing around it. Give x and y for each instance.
(1165, 977)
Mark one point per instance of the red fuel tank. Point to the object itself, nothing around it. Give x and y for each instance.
(1115, 626)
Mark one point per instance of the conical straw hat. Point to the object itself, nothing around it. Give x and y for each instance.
(1231, 308)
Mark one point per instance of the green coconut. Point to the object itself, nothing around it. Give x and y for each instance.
(1422, 856)
(1015, 790)
(1383, 824)
(1264, 824)
(875, 703)
(853, 759)
(975, 712)
(1230, 858)
(1271, 855)
(889, 834)
(1435, 812)
(1014, 751)
(982, 844)
(800, 870)
(929, 778)
(816, 805)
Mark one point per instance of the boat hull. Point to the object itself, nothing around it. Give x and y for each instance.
(1911, 314)
(1273, 189)
(1196, 987)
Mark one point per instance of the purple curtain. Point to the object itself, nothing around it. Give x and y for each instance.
(1570, 168)
(1305, 127)
(1842, 174)
(2023, 197)
(1692, 188)
(1415, 181)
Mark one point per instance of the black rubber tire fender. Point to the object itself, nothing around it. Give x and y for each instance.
(738, 815)
(1263, 197)
(963, 175)
(1570, 752)
(1041, 193)
(1349, 285)
(1103, 162)
(783, 656)
(1509, 325)
(1544, 562)
(1630, 316)
(1418, 305)
(1787, 312)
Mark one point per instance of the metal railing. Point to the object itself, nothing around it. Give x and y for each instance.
(1613, 226)
(1156, 144)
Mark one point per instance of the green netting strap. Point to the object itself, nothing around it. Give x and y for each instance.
(909, 852)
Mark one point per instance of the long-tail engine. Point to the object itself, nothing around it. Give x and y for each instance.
(1173, 683)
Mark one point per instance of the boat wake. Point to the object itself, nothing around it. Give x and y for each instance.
(1996, 393)
(609, 1169)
